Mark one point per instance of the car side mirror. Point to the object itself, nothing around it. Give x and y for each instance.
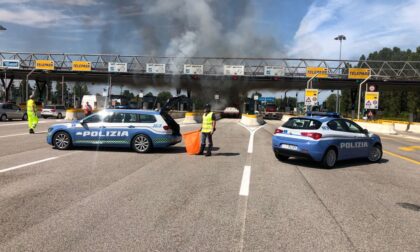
(82, 122)
(365, 131)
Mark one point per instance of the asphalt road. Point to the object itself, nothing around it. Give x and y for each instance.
(118, 200)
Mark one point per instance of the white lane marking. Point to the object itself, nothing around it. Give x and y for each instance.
(23, 134)
(246, 177)
(22, 123)
(252, 132)
(27, 164)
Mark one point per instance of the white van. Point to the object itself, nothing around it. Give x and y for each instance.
(96, 101)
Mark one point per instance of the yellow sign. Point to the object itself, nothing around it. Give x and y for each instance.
(311, 97)
(359, 73)
(371, 100)
(81, 66)
(44, 64)
(321, 71)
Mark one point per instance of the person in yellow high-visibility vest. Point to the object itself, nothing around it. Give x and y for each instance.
(207, 129)
(31, 110)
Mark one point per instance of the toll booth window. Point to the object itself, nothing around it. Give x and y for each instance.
(302, 123)
(147, 118)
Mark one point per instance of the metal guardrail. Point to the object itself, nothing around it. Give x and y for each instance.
(399, 70)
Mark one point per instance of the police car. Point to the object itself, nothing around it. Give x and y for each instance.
(142, 130)
(325, 138)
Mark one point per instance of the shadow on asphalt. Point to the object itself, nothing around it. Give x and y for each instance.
(227, 154)
(170, 150)
(340, 164)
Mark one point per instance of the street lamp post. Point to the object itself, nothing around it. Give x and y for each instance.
(337, 100)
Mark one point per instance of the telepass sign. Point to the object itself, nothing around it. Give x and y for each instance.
(44, 64)
(371, 100)
(81, 66)
(311, 97)
(320, 72)
(359, 73)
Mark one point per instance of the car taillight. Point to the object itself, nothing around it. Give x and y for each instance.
(166, 127)
(53, 110)
(313, 135)
(278, 131)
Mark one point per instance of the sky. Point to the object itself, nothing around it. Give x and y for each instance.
(252, 28)
(278, 28)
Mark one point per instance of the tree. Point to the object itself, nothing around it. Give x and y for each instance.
(163, 96)
(57, 96)
(330, 102)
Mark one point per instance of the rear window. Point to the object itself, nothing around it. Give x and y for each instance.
(302, 123)
(49, 107)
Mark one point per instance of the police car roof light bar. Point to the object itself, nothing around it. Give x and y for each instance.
(327, 114)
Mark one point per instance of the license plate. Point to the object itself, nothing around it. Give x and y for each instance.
(289, 147)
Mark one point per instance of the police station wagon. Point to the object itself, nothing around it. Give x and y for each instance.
(142, 130)
(325, 139)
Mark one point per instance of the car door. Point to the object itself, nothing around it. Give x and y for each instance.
(115, 130)
(360, 139)
(18, 113)
(343, 139)
(88, 130)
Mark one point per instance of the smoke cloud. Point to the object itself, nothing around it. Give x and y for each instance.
(190, 28)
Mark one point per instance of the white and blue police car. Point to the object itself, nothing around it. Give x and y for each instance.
(142, 130)
(325, 138)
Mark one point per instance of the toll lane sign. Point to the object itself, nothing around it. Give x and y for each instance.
(371, 100)
(81, 66)
(44, 64)
(321, 71)
(359, 73)
(311, 97)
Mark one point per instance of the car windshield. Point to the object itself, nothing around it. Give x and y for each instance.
(302, 123)
(49, 107)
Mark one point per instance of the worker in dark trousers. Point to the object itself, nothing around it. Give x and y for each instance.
(207, 129)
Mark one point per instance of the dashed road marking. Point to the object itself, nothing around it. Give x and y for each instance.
(27, 164)
(246, 177)
(402, 157)
(410, 148)
(23, 134)
(34, 162)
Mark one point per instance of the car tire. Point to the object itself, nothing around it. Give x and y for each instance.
(25, 117)
(3, 117)
(375, 154)
(330, 158)
(62, 140)
(142, 143)
(281, 157)
(59, 116)
(45, 117)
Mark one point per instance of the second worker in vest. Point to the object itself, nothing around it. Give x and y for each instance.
(207, 129)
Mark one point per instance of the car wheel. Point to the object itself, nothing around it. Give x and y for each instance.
(25, 117)
(62, 140)
(59, 116)
(141, 143)
(375, 154)
(281, 157)
(45, 117)
(3, 117)
(330, 158)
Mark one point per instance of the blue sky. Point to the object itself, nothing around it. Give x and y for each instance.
(299, 28)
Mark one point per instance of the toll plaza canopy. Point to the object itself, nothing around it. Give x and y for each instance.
(271, 73)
